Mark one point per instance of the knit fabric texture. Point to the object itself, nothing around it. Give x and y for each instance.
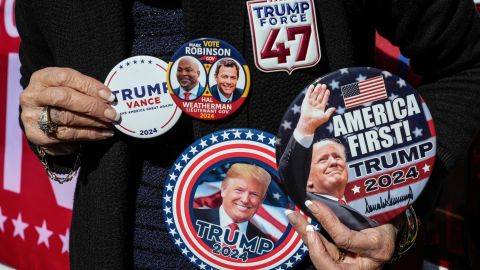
(157, 31)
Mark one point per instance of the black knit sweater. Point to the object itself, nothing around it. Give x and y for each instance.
(440, 37)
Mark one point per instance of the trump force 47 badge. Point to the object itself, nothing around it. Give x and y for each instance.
(284, 34)
(223, 205)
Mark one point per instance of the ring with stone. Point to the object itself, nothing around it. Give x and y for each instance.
(45, 123)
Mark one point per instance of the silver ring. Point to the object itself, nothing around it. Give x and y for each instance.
(45, 123)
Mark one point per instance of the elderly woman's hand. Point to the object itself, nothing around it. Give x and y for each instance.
(366, 249)
(77, 106)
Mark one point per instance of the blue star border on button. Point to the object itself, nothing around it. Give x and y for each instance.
(241, 134)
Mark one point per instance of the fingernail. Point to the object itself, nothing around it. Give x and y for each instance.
(107, 133)
(291, 218)
(313, 207)
(107, 95)
(111, 114)
(310, 234)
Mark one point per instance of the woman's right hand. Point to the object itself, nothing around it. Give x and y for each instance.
(77, 103)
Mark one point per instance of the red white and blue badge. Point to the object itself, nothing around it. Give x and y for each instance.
(387, 134)
(284, 34)
(208, 78)
(142, 99)
(223, 205)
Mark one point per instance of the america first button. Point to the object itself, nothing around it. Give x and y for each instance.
(375, 146)
(142, 99)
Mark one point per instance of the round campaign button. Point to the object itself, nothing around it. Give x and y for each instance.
(223, 205)
(208, 78)
(373, 147)
(142, 99)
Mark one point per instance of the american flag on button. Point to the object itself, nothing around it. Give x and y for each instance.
(356, 94)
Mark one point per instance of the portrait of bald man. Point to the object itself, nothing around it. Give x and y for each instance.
(188, 74)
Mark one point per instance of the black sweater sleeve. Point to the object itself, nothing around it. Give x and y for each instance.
(441, 38)
(35, 54)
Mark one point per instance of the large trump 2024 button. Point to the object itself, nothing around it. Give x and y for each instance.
(388, 140)
(142, 99)
(224, 207)
(208, 78)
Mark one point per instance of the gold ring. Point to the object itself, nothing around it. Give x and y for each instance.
(45, 124)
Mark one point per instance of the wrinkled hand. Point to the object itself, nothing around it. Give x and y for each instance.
(366, 249)
(78, 105)
(313, 113)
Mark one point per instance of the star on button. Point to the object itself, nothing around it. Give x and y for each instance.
(236, 134)
(286, 125)
(386, 74)
(184, 251)
(167, 210)
(297, 257)
(261, 137)
(178, 242)
(167, 198)
(295, 109)
(344, 71)
(20, 227)
(169, 187)
(356, 189)
(289, 264)
(304, 248)
(193, 150)
(203, 143)
(249, 135)
(172, 232)
(417, 132)
(401, 83)
(43, 234)
(360, 78)
(185, 157)
(214, 138)
(202, 266)
(225, 136)
(173, 176)
(178, 167)
(169, 221)
(193, 259)
(426, 168)
(334, 85)
(271, 141)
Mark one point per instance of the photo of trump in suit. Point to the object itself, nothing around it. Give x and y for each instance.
(242, 192)
(319, 171)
